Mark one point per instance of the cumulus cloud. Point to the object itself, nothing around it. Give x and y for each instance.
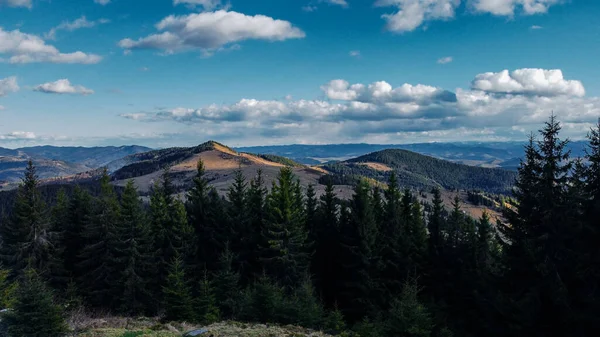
(18, 135)
(384, 92)
(445, 60)
(16, 3)
(63, 86)
(379, 112)
(28, 48)
(8, 85)
(411, 14)
(355, 53)
(509, 7)
(539, 82)
(102, 2)
(210, 31)
(207, 5)
(70, 26)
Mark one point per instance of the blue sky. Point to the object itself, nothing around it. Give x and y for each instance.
(179, 72)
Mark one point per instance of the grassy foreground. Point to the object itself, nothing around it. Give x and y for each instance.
(151, 328)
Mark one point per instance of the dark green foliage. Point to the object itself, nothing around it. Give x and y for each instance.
(309, 311)
(280, 160)
(416, 170)
(227, 288)
(409, 317)
(26, 237)
(98, 266)
(177, 297)
(334, 322)
(205, 305)
(34, 313)
(285, 257)
(7, 289)
(133, 254)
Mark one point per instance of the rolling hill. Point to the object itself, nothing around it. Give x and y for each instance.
(420, 171)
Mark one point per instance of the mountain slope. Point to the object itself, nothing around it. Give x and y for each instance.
(420, 171)
(12, 168)
(93, 157)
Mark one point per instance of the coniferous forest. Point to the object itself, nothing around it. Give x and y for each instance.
(379, 264)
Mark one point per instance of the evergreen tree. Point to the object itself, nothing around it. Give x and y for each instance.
(309, 311)
(485, 243)
(34, 313)
(133, 254)
(206, 307)
(325, 260)
(436, 224)
(177, 297)
(58, 276)
(98, 266)
(358, 239)
(408, 317)
(240, 234)
(227, 290)
(256, 202)
(26, 238)
(285, 257)
(7, 289)
(310, 217)
(80, 210)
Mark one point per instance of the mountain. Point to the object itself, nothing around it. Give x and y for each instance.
(220, 163)
(421, 171)
(12, 168)
(484, 154)
(92, 157)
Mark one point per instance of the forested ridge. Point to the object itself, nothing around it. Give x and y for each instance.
(379, 264)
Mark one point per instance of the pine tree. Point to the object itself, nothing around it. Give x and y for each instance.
(309, 311)
(7, 289)
(310, 216)
(98, 266)
(206, 307)
(58, 276)
(26, 237)
(177, 296)
(325, 260)
(408, 317)
(34, 313)
(227, 289)
(133, 254)
(239, 237)
(485, 244)
(436, 224)
(358, 239)
(80, 209)
(285, 257)
(256, 202)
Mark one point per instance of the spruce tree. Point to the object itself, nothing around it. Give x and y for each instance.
(98, 266)
(325, 260)
(409, 317)
(26, 237)
(239, 237)
(133, 254)
(80, 209)
(58, 276)
(34, 313)
(177, 297)
(285, 257)
(206, 307)
(256, 202)
(227, 289)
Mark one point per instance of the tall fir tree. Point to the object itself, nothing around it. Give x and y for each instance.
(133, 255)
(205, 304)
(58, 277)
(240, 234)
(177, 296)
(227, 288)
(256, 202)
(285, 256)
(97, 265)
(26, 238)
(80, 211)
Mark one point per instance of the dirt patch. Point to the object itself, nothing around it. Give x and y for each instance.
(377, 166)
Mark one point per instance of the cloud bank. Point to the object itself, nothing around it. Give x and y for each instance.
(496, 107)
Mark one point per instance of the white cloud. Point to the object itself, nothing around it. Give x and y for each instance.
(411, 14)
(8, 85)
(207, 5)
(383, 92)
(528, 81)
(102, 2)
(509, 7)
(63, 86)
(534, 27)
(381, 113)
(2, 107)
(445, 60)
(16, 3)
(210, 31)
(18, 135)
(355, 53)
(28, 48)
(79, 23)
(342, 3)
